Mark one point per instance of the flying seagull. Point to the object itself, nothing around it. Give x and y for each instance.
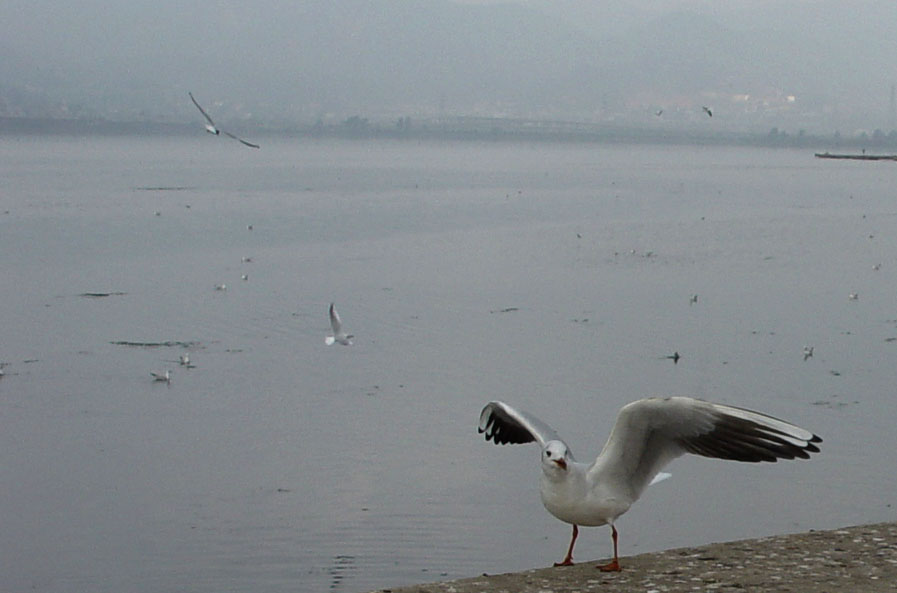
(336, 324)
(211, 128)
(808, 352)
(648, 434)
(704, 108)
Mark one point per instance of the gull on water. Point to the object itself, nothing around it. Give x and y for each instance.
(184, 359)
(853, 296)
(166, 376)
(693, 300)
(339, 336)
(211, 128)
(648, 434)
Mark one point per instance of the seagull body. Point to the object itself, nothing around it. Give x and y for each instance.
(211, 128)
(808, 352)
(647, 435)
(184, 359)
(166, 376)
(339, 336)
(706, 110)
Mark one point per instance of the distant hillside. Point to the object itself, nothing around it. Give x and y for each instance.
(301, 61)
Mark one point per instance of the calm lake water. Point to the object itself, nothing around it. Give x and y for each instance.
(553, 277)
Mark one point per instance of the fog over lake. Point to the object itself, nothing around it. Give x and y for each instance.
(555, 277)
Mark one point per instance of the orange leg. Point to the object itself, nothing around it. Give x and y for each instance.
(613, 565)
(568, 560)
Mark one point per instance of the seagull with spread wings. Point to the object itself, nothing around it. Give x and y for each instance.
(211, 128)
(338, 336)
(647, 435)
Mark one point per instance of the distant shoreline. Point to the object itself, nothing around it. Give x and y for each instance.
(860, 559)
(457, 128)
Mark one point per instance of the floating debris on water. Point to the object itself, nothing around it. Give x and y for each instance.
(166, 344)
(164, 188)
(99, 295)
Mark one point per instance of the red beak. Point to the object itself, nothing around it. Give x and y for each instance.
(561, 463)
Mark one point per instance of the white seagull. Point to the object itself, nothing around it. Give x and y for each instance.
(336, 324)
(648, 434)
(211, 128)
(166, 376)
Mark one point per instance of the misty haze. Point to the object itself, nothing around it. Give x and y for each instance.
(566, 206)
(812, 67)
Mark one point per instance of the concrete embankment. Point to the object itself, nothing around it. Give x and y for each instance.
(860, 559)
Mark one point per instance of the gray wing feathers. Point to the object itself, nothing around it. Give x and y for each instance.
(742, 435)
(503, 425)
(201, 110)
(650, 433)
(240, 140)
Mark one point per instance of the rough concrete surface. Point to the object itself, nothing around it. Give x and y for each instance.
(850, 560)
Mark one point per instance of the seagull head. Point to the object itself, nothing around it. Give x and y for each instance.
(555, 458)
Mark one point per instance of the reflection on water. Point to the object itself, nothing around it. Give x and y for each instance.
(343, 567)
(557, 278)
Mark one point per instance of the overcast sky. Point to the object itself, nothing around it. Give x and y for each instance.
(278, 58)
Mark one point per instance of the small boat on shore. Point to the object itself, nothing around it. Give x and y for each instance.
(857, 157)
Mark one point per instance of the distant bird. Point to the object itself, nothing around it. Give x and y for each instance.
(674, 357)
(853, 296)
(339, 336)
(808, 352)
(221, 287)
(184, 359)
(659, 112)
(244, 277)
(693, 300)
(647, 435)
(166, 376)
(211, 128)
(707, 111)
(876, 267)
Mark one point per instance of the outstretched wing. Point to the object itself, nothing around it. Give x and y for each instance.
(504, 425)
(336, 323)
(240, 140)
(201, 110)
(650, 433)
